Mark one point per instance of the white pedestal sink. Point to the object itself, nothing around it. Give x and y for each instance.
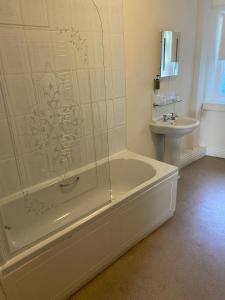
(172, 132)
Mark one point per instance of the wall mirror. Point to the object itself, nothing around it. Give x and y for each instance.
(170, 53)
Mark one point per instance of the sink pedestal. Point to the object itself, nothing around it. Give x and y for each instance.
(172, 131)
(172, 150)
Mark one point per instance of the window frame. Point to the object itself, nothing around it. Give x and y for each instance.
(213, 95)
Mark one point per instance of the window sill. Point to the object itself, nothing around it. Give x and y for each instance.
(213, 107)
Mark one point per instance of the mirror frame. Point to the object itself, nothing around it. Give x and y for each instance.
(170, 54)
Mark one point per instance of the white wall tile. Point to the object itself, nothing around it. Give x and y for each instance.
(87, 119)
(62, 51)
(100, 116)
(2, 107)
(10, 12)
(14, 51)
(9, 179)
(76, 91)
(48, 69)
(48, 90)
(119, 83)
(27, 137)
(109, 83)
(103, 7)
(110, 114)
(80, 48)
(101, 145)
(107, 50)
(88, 150)
(21, 93)
(40, 50)
(117, 44)
(36, 167)
(95, 50)
(6, 149)
(84, 86)
(98, 85)
(117, 140)
(59, 12)
(69, 89)
(77, 159)
(120, 112)
(85, 16)
(116, 16)
(34, 12)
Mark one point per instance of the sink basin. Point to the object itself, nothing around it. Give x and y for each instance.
(181, 126)
(171, 133)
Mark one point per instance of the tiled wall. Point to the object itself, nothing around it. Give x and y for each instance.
(62, 97)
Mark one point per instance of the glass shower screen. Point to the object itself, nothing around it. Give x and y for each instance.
(54, 157)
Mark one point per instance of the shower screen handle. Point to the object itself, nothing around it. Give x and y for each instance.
(73, 182)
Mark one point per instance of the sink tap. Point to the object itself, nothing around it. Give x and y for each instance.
(171, 116)
(174, 116)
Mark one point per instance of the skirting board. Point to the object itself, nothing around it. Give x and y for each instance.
(189, 156)
(216, 152)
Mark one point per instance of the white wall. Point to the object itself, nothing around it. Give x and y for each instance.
(213, 116)
(143, 22)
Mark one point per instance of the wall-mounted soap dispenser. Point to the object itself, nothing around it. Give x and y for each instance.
(157, 84)
(157, 97)
(163, 99)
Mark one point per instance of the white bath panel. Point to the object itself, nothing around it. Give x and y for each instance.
(135, 217)
(71, 272)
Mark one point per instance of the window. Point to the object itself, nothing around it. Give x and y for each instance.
(215, 91)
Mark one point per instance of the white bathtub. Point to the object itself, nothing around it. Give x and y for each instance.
(73, 240)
